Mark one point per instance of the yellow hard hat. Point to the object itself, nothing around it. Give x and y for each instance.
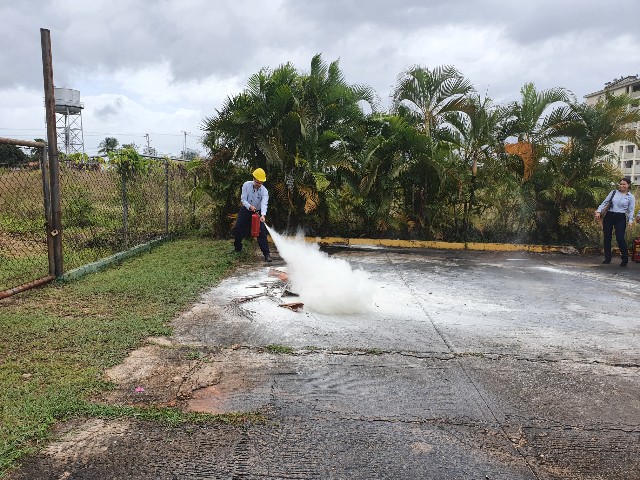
(259, 175)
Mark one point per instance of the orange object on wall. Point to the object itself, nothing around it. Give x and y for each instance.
(525, 151)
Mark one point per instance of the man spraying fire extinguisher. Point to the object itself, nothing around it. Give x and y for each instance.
(255, 199)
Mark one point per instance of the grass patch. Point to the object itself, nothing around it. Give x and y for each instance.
(194, 354)
(57, 340)
(167, 416)
(373, 351)
(279, 349)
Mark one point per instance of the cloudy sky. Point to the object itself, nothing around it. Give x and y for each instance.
(159, 67)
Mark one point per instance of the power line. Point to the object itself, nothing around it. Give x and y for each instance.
(23, 129)
(41, 133)
(147, 133)
(106, 133)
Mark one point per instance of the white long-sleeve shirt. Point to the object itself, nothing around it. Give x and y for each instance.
(259, 198)
(621, 203)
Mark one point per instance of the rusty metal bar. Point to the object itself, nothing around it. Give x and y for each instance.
(26, 286)
(44, 169)
(54, 165)
(22, 143)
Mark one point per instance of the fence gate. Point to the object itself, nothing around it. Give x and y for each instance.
(26, 250)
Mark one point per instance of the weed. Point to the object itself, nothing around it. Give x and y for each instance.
(194, 355)
(279, 349)
(373, 351)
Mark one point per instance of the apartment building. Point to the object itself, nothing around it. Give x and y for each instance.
(627, 154)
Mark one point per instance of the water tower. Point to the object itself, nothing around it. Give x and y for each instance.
(69, 120)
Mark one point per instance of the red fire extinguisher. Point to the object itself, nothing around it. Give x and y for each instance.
(255, 225)
(635, 255)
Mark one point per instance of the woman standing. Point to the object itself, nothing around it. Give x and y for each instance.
(619, 214)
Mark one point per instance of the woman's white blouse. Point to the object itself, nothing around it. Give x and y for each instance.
(621, 203)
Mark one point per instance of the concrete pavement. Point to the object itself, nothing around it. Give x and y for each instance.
(469, 365)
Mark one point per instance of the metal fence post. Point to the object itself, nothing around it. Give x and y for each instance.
(54, 165)
(166, 196)
(193, 200)
(125, 211)
(46, 190)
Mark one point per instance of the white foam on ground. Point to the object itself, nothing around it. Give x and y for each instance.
(325, 284)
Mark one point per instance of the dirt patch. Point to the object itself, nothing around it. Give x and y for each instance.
(20, 246)
(193, 379)
(94, 437)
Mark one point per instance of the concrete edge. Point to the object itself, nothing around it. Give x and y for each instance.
(104, 262)
(340, 242)
(500, 247)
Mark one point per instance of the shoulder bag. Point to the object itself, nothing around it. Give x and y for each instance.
(607, 204)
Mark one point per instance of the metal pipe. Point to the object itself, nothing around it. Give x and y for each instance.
(25, 286)
(22, 143)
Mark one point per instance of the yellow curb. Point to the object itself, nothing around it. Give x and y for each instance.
(512, 247)
(381, 242)
(496, 247)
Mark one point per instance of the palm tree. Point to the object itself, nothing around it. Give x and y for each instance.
(253, 122)
(108, 145)
(428, 96)
(11, 155)
(479, 137)
(290, 123)
(593, 127)
(535, 124)
(574, 180)
(430, 100)
(387, 147)
(332, 112)
(567, 187)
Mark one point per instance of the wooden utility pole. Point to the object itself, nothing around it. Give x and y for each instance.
(55, 229)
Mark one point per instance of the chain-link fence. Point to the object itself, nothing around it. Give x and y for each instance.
(24, 252)
(105, 209)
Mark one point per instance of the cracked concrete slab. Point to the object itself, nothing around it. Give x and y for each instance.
(490, 365)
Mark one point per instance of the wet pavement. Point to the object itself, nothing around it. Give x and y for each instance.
(470, 365)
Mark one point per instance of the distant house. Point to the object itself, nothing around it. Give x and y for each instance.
(628, 154)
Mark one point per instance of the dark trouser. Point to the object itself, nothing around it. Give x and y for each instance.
(243, 229)
(617, 221)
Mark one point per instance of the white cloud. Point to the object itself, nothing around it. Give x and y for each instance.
(129, 121)
(22, 114)
(160, 67)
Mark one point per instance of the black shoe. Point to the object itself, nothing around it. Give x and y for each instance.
(624, 262)
(267, 258)
(607, 261)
